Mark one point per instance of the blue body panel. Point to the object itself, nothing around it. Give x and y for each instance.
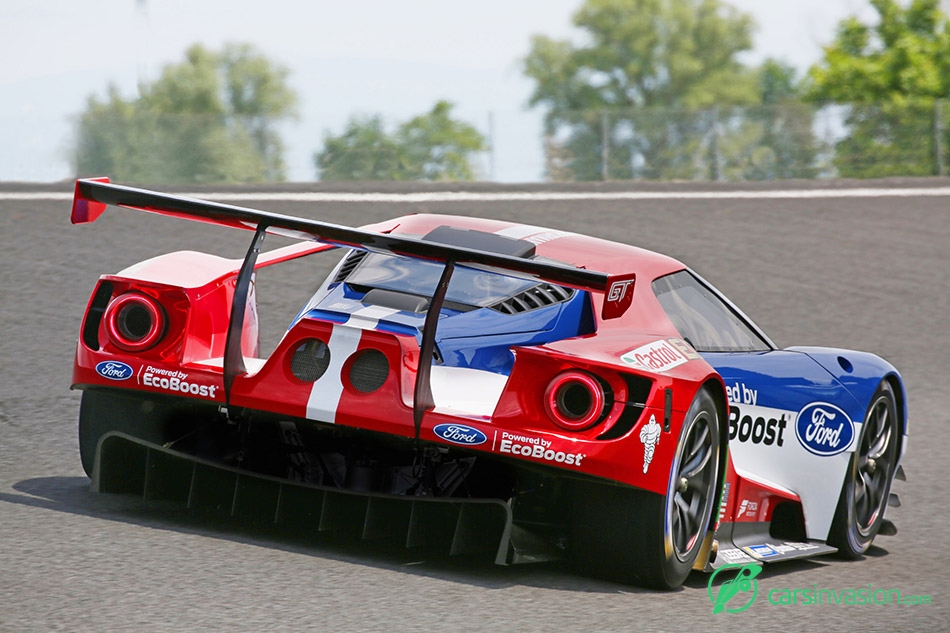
(479, 338)
(781, 379)
(860, 373)
(795, 378)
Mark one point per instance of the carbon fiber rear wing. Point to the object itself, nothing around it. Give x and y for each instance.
(93, 195)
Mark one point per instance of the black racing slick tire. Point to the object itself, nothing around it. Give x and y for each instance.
(867, 483)
(101, 412)
(647, 539)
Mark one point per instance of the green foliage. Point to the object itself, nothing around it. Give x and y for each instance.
(209, 119)
(432, 146)
(362, 152)
(643, 82)
(776, 139)
(893, 139)
(890, 73)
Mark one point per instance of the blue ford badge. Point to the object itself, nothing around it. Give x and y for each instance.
(114, 370)
(824, 429)
(460, 434)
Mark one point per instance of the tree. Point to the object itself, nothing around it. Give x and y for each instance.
(775, 139)
(362, 152)
(891, 75)
(431, 146)
(208, 119)
(639, 82)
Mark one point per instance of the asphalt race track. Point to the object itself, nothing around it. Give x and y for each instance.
(869, 272)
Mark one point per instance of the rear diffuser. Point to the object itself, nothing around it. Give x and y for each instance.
(438, 525)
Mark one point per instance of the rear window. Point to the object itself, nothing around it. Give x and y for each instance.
(468, 286)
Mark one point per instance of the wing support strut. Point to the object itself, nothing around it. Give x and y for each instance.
(422, 399)
(233, 352)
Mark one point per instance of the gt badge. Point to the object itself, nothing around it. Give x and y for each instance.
(618, 297)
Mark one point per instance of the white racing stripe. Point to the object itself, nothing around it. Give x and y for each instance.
(527, 196)
(368, 318)
(344, 339)
(471, 391)
(325, 393)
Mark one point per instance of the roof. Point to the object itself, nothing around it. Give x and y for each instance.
(573, 248)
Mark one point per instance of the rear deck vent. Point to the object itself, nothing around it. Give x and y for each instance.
(352, 261)
(539, 296)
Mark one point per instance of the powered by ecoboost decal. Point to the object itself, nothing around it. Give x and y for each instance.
(114, 370)
(460, 434)
(176, 382)
(752, 424)
(537, 448)
(824, 429)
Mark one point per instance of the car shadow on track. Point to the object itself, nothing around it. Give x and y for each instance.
(73, 495)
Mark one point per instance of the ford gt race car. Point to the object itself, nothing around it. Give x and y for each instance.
(471, 386)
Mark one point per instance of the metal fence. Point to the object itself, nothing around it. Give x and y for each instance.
(790, 140)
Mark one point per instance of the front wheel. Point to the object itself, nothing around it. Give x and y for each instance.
(649, 539)
(867, 485)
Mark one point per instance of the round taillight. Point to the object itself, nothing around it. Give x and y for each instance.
(134, 322)
(574, 400)
(310, 360)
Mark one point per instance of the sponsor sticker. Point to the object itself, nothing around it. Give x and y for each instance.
(114, 370)
(723, 502)
(460, 434)
(685, 348)
(760, 551)
(747, 507)
(176, 382)
(650, 436)
(801, 546)
(824, 429)
(536, 448)
(659, 356)
(734, 556)
(755, 425)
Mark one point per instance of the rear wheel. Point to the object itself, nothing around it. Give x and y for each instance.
(649, 539)
(868, 482)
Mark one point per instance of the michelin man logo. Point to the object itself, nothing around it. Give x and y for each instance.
(650, 436)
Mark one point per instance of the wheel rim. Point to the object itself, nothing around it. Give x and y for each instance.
(689, 499)
(873, 464)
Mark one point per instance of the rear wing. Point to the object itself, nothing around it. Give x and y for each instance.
(93, 195)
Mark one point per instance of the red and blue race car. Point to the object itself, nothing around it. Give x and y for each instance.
(477, 386)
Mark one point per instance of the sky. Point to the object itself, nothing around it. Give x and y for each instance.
(391, 57)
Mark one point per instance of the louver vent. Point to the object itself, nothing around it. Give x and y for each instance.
(352, 261)
(533, 298)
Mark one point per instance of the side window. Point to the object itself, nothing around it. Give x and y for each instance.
(707, 322)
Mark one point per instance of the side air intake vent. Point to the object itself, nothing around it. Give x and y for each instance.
(352, 261)
(533, 298)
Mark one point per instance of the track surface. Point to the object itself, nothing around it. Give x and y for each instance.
(870, 274)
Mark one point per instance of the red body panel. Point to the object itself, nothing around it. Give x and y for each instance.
(196, 291)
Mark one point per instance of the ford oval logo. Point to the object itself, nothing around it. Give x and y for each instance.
(460, 434)
(824, 429)
(114, 370)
